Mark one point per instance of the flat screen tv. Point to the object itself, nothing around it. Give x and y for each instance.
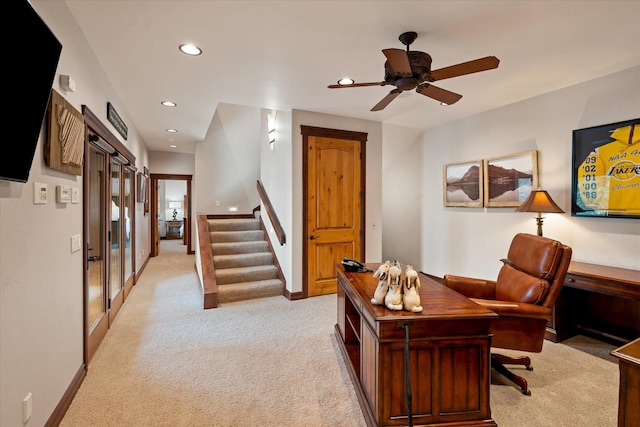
(606, 171)
(30, 72)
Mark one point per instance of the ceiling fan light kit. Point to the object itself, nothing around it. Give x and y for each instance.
(410, 69)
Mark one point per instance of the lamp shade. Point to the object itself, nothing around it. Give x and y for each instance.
(539, 201)
(175, 205)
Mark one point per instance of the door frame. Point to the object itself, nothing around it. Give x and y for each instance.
(313, 131)
(155, 238)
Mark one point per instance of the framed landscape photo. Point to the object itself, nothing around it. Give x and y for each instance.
(605, 174)
(463, 184)
(508, 180)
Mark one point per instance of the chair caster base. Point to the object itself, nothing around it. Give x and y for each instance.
(498, 361)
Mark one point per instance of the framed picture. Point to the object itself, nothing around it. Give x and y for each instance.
(463, 184)
(508, 180)
(605, 174)
(141, 189)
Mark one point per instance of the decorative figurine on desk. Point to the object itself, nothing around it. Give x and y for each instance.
(411, 298)
(393, 299)
(382, 273)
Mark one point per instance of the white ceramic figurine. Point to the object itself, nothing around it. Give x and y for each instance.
(382, 273)
(411, 297)
(393, 299)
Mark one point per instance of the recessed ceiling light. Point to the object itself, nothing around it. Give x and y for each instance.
(169, 103)
(190, 49)
(345, 81)
(173, 146)
(172, 130)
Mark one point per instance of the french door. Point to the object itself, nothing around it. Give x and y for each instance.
(109, 230)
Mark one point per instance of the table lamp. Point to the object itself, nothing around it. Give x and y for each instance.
(539, 201)
(175, 206)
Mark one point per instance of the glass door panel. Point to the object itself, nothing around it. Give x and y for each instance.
(129, 210)
(95, 250)
(115, 265)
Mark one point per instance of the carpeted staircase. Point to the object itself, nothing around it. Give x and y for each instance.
(244, 266)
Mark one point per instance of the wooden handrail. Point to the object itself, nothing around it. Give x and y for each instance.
(209, 283)
(282, 238)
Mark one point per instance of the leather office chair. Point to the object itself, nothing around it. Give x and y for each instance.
(523, 295)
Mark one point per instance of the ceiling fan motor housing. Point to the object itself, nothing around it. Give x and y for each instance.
(420, 68)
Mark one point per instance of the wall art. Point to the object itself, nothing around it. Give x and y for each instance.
(508, 180)
(463, 184)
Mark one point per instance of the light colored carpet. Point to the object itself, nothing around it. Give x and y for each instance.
(274, 362)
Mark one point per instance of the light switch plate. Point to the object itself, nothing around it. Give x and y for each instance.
(76, 242)
(39, 193)
(75, 195)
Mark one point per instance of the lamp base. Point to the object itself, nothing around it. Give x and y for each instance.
(539, 222)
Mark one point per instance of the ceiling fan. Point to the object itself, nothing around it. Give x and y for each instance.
(411, 69)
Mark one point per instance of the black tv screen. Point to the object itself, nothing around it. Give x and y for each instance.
(30, 71)
(606, 171)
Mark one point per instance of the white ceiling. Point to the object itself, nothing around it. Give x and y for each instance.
(282, 55)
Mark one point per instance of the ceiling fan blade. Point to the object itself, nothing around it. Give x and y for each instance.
(438, 94)
(482, 64)
(358, 85)
(386, 100)
(399, 61)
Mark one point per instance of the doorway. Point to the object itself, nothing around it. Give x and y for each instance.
(171, 210)
(333, 204)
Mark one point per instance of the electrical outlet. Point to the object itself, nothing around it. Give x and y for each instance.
(39, 193)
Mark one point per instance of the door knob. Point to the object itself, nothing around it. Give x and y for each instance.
(313, 237)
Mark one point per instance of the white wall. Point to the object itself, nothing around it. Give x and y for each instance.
(276, 177)
(471, 241)
(228, 161)
(41, 288)
(402, 194)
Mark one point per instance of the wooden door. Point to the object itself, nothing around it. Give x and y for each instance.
(333, 204)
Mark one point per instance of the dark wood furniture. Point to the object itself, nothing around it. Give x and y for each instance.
(174, 229)
(449, 353)
(597, 300)
(629, 398)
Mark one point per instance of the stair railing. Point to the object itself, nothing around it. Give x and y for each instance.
(208, 281)
(280, 234)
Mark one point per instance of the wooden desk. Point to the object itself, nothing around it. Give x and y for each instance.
(629, 400)
(597, 299)
(449, 350)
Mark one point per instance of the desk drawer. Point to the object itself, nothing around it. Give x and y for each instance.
(603, 286)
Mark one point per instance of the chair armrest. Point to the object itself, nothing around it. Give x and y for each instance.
(515, 309)
(471, 287)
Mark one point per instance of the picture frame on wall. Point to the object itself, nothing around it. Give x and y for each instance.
(605, 177)
(509, 179)
(141, 188)
(463, 184)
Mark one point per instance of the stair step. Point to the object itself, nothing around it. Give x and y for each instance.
(235, 236)
(242, 260)
(249, 290)
(233, 224)
(228, 248)
(245, 274)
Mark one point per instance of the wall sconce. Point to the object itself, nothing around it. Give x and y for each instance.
(539, 201)
(175, 206)
(271, 129)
